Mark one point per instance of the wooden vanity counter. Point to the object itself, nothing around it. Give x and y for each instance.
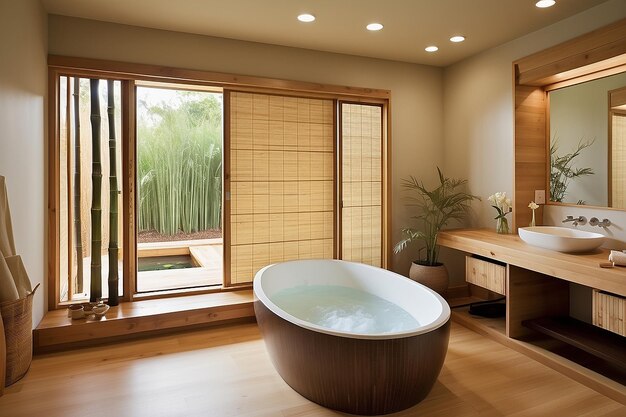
(535, 283)
(582, 268)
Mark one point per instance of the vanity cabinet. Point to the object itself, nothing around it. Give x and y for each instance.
(536, 284)
(485, 274)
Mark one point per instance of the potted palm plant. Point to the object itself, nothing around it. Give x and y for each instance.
(434, 209)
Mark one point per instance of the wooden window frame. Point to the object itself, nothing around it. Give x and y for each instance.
(129, 74)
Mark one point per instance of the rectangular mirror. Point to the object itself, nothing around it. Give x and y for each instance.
(587, 126)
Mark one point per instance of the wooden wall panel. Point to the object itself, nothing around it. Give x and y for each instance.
(594, 51)
(282, 173)
(361, 183)
(531, 160)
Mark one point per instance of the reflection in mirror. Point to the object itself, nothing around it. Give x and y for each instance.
(588, 143)
(617, 148)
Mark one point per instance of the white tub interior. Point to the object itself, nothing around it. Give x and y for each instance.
(426, 306)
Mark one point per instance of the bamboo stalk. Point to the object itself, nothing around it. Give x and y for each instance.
(96, 181)
(78, 238)
(70, 204)
(113, 280)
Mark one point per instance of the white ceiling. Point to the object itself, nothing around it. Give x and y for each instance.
(410, 25)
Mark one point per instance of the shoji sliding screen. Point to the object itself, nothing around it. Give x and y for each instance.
(618, 160)
(617, 148)
(361, 183)
(281, 181)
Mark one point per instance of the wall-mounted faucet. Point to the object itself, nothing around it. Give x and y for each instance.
(582, 220)
(594, 221)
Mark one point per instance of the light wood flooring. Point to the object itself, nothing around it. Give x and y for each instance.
(225, 371)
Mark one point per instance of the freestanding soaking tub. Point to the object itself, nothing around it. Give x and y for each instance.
(366, 364)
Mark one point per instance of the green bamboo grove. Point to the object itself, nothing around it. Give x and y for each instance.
(179, 164)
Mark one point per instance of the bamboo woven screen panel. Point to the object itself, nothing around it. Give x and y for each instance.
(618, 161)
(281, 181)
(609, 312)
(361, 183)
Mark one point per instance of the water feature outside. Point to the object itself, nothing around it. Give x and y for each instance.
(159, 263)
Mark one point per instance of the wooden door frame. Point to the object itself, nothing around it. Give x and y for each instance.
(385, 180)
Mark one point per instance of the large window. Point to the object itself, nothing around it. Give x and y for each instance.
(206, 178)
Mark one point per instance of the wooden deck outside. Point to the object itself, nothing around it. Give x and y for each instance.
(207, 254)
(210, 270)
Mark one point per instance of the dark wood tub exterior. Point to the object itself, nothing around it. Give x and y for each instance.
(357, 376)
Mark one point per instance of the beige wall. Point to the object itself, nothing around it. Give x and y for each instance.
(478, 106)
(416, 89)
(479, 129)
(23, 43)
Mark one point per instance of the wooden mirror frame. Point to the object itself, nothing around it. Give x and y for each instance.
(596, 54)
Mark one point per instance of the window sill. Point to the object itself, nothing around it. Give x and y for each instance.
(139, 318)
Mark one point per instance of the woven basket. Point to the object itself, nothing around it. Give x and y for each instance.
(18, 324)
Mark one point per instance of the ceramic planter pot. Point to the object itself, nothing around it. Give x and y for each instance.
(434, 277)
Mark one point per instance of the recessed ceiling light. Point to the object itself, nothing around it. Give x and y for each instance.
(374, 26)
(545, 3)
(306, 17)
(431, 48)
(457, 38)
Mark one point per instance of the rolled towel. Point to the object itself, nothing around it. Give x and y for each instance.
(20, 276)
(618, 258)
(7, 245)
(8, 290)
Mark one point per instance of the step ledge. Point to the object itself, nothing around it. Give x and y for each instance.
(56, 331)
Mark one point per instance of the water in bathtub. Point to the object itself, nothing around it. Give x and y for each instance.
(344, 309)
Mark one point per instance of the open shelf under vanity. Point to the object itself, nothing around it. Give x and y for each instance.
(535, 285)
(598, 342)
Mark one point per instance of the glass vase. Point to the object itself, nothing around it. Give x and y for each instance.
(502, 225)
(532, 222)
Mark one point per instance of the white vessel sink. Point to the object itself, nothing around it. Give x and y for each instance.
(561, 239)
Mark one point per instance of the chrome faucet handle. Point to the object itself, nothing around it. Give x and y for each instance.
(594, 221)
(582, 220)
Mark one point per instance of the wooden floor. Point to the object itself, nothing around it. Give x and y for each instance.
(225, 372)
